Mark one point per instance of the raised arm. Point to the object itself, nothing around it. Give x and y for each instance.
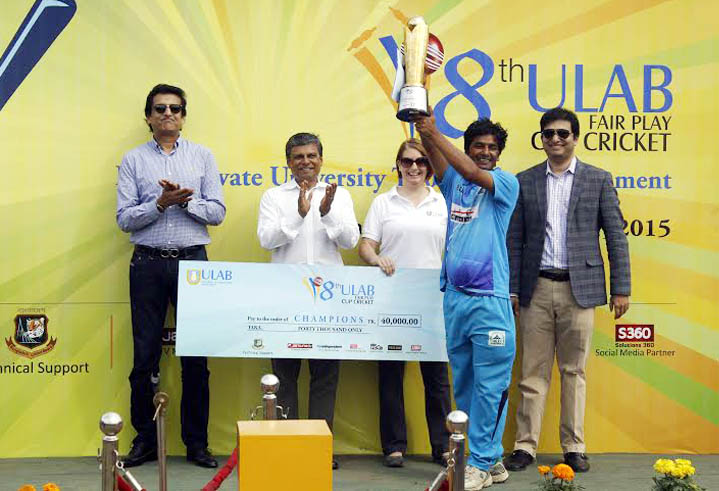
(441, 149)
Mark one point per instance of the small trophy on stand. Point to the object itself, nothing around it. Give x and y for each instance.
(420, 55)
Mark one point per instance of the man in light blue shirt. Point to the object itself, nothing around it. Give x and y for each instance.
(475, 278)
(168, 192)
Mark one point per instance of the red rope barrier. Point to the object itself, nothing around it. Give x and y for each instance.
(443, 487)
(122, 484)
(222, 474)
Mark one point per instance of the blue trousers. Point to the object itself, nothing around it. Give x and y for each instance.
(481, 348)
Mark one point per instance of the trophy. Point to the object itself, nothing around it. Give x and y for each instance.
(420, 55)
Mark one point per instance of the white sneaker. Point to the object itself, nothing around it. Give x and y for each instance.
(476, 479)
(498, 473)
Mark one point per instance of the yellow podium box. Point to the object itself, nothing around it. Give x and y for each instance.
(284, 454)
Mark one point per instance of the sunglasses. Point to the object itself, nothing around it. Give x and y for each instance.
(407, 162)
(161, 108)
(549, 134)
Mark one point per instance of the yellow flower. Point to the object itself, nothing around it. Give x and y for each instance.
(682, 462)
(664, 466)
(26, 487)
(682, 470)
(677, 471)
(51, 486)
(563, 471)
(544, 469)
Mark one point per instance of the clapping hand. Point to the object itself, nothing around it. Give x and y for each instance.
(173, 194)
(328, 198)
(305, 200)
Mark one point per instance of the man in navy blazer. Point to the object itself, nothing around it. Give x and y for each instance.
(557, 278)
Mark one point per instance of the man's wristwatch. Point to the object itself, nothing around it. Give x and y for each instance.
(160, 208)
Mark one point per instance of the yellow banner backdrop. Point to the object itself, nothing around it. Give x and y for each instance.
(642, 76)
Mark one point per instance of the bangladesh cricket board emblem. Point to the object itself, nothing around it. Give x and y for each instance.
(31, 338)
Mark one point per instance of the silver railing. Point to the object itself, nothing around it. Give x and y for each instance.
(161, 400)
(110, 463)
(454, 472)
(110, 425)
(270, 384)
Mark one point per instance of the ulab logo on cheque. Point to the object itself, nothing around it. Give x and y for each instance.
(350, 293)
(208, 276)
(313, 284)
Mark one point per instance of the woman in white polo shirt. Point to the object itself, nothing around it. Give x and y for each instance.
(407, 224)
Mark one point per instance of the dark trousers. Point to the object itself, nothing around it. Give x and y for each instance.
(153, 283)
(437, 404)
(323, 387)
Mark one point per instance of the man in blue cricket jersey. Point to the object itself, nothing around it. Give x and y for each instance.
(475, 278)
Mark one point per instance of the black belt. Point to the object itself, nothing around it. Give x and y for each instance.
(554, 274)
(169, 252)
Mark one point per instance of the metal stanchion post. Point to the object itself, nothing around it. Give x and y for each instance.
(161, 401)
(270, 384)
(457, 425)
(110, 425)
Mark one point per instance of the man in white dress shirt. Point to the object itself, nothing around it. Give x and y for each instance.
(307, 221)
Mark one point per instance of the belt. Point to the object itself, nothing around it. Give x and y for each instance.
(169, 252)
(554, 274)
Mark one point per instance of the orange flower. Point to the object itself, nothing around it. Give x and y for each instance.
(26, 487)
(563, 471)
(543, 469)
(51, 486)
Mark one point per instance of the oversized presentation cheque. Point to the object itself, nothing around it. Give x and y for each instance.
(260, 310)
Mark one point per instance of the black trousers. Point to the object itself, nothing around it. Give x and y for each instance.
(324, 375)
(437, 404)
(153, 283)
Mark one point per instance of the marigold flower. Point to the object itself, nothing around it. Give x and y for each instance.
(664, 466)
(677, 471)
(563, 471)
(682, 462)
(544, 469)
(682, 470)
(27, 487)
(51, 486)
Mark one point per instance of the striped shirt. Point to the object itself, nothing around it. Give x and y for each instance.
(559, 189)
(189, 165)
